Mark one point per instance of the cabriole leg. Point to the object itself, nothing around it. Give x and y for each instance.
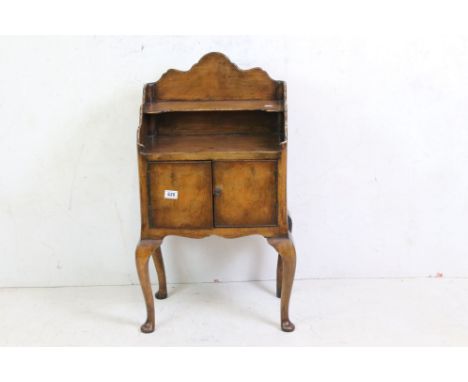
(144, 250)
(285, 248)
(279, 266)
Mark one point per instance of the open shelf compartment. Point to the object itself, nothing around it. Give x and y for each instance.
(210, 135)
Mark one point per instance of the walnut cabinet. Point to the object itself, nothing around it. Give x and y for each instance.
(212, 146)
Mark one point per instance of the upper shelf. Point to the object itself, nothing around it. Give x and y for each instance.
(231, 105)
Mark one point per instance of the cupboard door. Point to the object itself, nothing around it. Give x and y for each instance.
(245, 193)
(180, 194)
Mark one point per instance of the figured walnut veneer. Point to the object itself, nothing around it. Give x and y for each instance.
(212, 146)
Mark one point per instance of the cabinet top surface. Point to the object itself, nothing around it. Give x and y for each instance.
(212, 147)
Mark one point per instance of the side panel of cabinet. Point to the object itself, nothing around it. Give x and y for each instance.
(180, 194)
(246, 193)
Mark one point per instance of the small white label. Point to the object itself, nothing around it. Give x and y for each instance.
(170, 194)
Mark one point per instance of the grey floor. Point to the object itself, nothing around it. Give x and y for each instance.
(326, 312)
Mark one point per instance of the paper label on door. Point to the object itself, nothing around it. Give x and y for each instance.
(171, 194)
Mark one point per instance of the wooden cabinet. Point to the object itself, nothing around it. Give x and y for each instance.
(212, 147)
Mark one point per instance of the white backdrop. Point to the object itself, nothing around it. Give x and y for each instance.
(378, 157)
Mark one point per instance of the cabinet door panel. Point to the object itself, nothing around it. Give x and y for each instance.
(245, 193)
(180, 194)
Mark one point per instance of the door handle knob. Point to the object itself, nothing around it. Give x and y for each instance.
(217, 191)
